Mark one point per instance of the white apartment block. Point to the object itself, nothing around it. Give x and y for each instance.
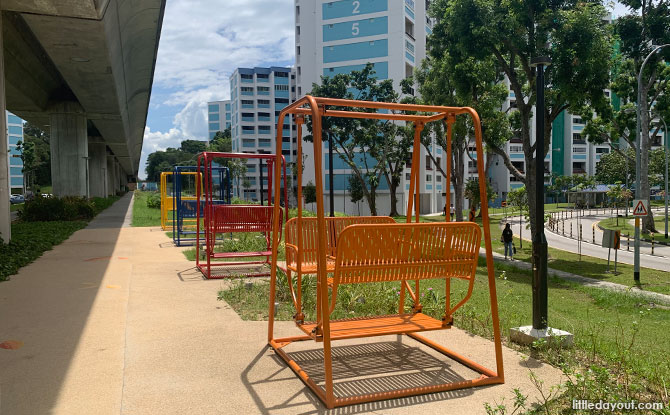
(257, 95)
(218, 117)
(341, 36)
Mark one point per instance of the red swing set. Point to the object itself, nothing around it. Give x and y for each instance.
(219, 219)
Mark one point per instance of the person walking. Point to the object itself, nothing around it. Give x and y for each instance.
(508, 241)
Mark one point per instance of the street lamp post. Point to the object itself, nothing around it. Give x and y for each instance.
(638, 134)
(540, 289)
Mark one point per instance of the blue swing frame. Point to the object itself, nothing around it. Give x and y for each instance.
(187, 209)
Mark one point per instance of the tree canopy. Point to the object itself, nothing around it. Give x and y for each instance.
(509, 35)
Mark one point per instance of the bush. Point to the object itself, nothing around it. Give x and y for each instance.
(154, 201)
(49, 209)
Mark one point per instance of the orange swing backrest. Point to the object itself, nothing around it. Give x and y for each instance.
(407, 251)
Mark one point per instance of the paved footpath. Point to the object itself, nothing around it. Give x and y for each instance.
(114, 321)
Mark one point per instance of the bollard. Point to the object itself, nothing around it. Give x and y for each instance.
(563, 226)
(652, 243)
(628, 241)
(581, 235)
(570, 230)
(594, 233)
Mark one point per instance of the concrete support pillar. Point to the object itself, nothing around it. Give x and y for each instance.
(97, 167)
(111, 172)
(69, 150)
(117, 176)
(5, 220)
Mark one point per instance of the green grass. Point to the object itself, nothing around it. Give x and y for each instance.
(142, 214)
(627, 229)
(617, 334)
(14, 208)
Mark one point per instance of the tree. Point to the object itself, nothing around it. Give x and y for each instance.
(453, 81)
(372, 149)
(193, 146)
(472, 192)
(645, 26)
(617, 166)
(36, 155)
(618, 193)
(511, 34)
(309, 193)
(221, 142)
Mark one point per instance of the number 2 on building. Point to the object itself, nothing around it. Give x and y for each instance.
(356, 5)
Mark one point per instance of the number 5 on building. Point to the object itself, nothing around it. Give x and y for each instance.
(354, 29)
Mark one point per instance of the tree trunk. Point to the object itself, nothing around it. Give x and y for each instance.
(394, 199)
(530, 191)
(371, 197)
(458, 180)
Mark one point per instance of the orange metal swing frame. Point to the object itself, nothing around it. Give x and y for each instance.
(422, 262)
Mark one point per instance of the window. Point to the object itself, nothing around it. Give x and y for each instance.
(408, 176)
(438, 161)
(264, 114)
(286, 139)
(247, 102)
(602, 150)
(263, 89)
(409, 28)
(262, 76)
(281, 100)
(577, 120)
(281, 74)
(246, 76)
(262, 102)
(297, 30)
(577, 138)
(281, 87)
(247, 129)
(579, 149)
(429, 178)
(263, 128)
(298, 50)
(428, 166)
(438, 178)
(512, 103)
(515, 149)
(247, 89)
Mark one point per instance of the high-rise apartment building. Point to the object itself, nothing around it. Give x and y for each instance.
(14, 135)
(334, 37)
(218, 116)
(257, 95)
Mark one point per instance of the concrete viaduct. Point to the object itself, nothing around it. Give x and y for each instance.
(82, 70)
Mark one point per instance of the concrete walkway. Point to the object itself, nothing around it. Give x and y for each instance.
(114, 321)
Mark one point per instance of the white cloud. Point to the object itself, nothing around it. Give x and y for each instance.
(202, 43)
(158, 141)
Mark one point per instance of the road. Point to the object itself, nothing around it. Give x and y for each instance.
(660, 260)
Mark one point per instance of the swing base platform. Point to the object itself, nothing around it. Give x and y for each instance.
(376, 326)
(230, 269)
(486, 376)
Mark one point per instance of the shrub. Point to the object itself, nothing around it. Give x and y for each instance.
(154, 201)
(49, 209)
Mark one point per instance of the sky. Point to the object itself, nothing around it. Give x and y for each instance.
(202, 42)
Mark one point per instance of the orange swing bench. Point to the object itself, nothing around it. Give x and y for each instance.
(364, 250)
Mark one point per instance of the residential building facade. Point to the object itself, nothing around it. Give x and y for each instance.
(218, 116)
(335, 37)
(257, 96)
(14, 135)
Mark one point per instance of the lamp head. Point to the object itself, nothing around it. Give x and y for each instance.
(540, 60)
